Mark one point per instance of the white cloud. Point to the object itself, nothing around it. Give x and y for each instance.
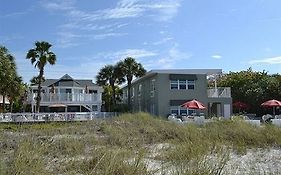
(162, 41)
(216, 56)
(91, 65)
(273, 60)
(58, 4)
(86, 21)
(11, 38)
(121, 54)
(160, 10)
(106, 35)
(69, 39)
(174, 56)
(66, 39)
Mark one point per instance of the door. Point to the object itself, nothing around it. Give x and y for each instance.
(226, 111)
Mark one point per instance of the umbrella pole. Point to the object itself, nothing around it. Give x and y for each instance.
(273, 111)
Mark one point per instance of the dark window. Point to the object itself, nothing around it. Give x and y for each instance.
(182, 84)
(93, 91)
(95, 107)
(174, 84)
(183, 112)
(191, 111)
(174, 111)
(191, 84)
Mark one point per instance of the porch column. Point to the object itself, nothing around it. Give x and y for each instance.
(32, 107)
(59, 93)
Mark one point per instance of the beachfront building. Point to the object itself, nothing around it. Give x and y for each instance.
(7, 102)
(162, 92)
(67, 95)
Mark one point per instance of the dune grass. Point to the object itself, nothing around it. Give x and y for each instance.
(128, 144)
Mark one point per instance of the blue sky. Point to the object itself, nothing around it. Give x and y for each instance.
(86, 35)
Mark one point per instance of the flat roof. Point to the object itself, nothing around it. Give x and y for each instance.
(177, 71)
(187, 71)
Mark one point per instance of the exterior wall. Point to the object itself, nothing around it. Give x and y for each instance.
(166, 93)
(143, 100)
(222, 102)
(164, 96)
(78, 97)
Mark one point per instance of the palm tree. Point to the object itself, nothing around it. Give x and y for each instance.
(16, 91)
(130, 69)
(110, 75)
(35, 80)
(7, 73)
(41, 55)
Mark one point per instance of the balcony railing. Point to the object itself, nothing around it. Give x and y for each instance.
(66, 97)
(220, 92)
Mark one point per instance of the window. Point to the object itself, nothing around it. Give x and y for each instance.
(68, 91)
(95, 108)
(182, 84)
(178, 110)
(174, 110)
(93, 91)
(133, 92)
(139, 92)
(152, 86)
(191, 111)
(125, 94)
(174, 84)
(190, 84)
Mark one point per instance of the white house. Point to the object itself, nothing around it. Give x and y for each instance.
(67, 95)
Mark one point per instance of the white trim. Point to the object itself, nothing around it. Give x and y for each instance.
(186, 84)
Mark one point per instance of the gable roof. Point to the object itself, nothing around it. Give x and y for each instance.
(67, 80)
(66, 77)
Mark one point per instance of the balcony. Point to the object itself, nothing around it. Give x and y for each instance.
(220, 92)
(66, 98)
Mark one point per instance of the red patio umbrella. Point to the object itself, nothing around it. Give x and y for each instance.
(193, 104)
(271, 103)
(240, 105)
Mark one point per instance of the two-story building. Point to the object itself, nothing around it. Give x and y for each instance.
(67, 95)
(162, 92)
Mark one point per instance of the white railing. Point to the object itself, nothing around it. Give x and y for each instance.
(220, 92)
(66, 97)
(45, 117)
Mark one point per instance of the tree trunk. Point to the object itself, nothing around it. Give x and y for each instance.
(113, 94)
(3, 105)
(11, 106)
(38, 99)
(129, 93)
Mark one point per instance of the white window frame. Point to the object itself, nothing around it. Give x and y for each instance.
(179, 108)
(174, 84)
(188, 82)
(125, 94)
(152, 90)
(185, 83)
(139, 89)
